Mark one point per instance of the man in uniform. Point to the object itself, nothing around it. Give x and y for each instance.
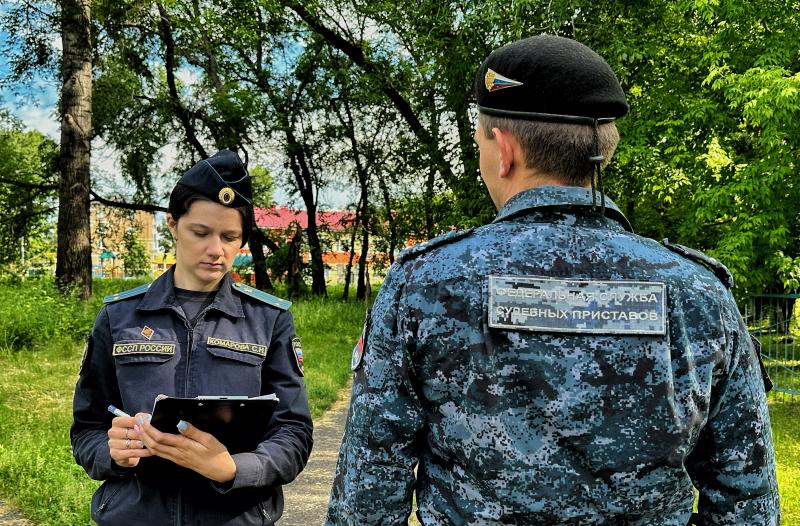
(552, 367)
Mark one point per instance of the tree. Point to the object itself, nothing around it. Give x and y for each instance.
(708, 158)
(263, 187)
(28, 177)
(166, 243)
(709, 155)
(74, 257)
(135, 258)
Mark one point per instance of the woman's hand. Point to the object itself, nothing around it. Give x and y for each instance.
(124, 442)
(192, 448)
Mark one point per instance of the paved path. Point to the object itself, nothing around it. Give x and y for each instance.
(10, 517)
(307, 496)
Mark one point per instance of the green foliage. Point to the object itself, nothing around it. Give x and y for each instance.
(709, 151)
(263, 186)
(137, 263)
(28, 178)
(33, 313)
(166, 243)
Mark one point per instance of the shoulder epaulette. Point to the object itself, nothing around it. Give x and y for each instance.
(260, 295)
(438, 241)
(719, 270)
(125, 294)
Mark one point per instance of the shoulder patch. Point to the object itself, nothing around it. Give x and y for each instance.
(130, 293)
(438, 241)
(262, 296)
(298, 355)
(719, 270)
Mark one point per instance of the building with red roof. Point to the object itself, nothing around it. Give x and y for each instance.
(282, 217)
(334, 227)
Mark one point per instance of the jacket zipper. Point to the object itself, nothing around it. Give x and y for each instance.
(189, 342)
(106, 502)
(178, 518)
(264, 513)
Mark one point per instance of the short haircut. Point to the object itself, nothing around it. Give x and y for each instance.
(557, 149)
(182, 198)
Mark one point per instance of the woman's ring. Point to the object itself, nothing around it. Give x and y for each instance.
(128, 443)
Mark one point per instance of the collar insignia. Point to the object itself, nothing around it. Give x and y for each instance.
(495, 81)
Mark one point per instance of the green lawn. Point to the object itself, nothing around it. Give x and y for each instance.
(785, 414)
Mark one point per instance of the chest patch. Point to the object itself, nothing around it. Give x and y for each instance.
(252, 348)
(147, 332)
(124, 349)
(577, 306)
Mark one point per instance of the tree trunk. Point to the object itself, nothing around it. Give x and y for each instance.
(295, 272)
(165, 27)
(387, 203)
(363, 275)
(352, 249)
(256, 243)
(74, 257)
(315, 246)
(305, 184)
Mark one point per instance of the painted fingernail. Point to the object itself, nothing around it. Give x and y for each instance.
(136, 428)
(139, 419)
(149, 417)
(182, 426)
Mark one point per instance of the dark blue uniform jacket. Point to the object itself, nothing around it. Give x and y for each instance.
(189, 362)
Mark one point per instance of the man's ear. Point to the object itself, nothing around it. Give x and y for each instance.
(506, 145)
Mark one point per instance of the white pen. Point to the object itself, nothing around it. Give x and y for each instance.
(117, 411)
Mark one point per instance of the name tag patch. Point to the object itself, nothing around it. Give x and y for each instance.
(579, 306)
(252, 348)
(123, 349)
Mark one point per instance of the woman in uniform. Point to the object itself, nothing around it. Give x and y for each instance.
(192, 332)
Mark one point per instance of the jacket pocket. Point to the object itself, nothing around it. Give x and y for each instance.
(235, 372)
(237, 356)
(243, 352)
(143, 375)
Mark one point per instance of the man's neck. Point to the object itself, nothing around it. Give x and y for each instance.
(525, 181)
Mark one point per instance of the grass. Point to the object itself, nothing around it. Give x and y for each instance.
(785, 413)
(39, 360)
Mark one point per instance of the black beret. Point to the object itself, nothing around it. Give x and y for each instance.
(549, 78)
(221, 178)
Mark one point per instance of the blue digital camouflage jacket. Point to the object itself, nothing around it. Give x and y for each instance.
(553, 368)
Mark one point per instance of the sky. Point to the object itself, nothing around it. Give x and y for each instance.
(34, 105)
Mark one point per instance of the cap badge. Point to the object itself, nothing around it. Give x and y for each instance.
(226, 195)
(495, 81)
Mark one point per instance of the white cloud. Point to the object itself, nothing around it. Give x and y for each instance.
(42, 119)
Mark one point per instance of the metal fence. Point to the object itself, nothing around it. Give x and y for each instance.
(775, 320)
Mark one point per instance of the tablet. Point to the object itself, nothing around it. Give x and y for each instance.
(239, 422)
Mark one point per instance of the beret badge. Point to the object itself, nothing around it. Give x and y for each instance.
(226, 195)
(495, 81)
